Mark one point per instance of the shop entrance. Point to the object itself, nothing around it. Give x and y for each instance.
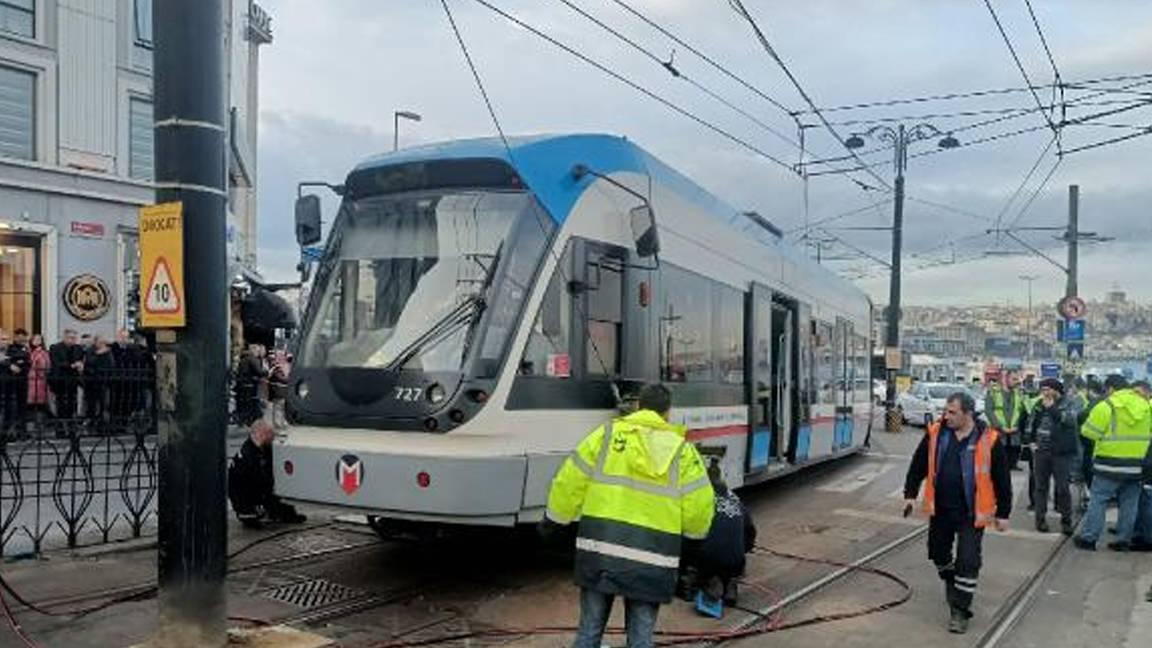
(20, 287)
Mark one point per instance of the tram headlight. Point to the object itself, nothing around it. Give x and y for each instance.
(302, 389)
(436, 394)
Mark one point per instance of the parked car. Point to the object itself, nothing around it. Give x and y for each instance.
(925, 402)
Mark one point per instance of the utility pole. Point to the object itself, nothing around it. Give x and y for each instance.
(1073, 239)
(189, 109)
(899, 138)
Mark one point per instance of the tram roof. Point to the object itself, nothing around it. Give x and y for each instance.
(545, 163)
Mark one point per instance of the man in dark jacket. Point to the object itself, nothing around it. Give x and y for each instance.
(1053, 435)
(67, 358)
(968, 487)
(251, 483)
(18, 360)
(714, 564)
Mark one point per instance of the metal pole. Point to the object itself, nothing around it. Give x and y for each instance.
(395, 131)
(892, 339)
(189, 109)
(1073, 238)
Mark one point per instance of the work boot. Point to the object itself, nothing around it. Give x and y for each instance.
(958, 624)
(1042, 525)
(1066, 527)
(1140, 545)
(1119, 546)
(1081, 543)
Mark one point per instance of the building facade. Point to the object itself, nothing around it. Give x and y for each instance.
(77, 156)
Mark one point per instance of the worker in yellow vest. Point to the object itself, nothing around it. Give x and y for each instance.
(1121, 427)
(1004, 407)
(967, 488)
(638, 489)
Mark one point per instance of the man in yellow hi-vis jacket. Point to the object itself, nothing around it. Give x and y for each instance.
(637, 488)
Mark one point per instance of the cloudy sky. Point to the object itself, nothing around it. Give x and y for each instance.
(339, 68)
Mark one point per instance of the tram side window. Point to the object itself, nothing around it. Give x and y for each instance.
(548, 352)
(825, 367)
(605, 315)
(728, 312)
(685, 326)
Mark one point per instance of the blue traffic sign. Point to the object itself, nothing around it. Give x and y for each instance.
(1075, 351)
(1049, 370)
(1074, 330)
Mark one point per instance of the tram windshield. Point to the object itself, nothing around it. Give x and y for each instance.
(406, 277)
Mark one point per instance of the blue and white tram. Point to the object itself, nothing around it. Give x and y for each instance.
(478, 309)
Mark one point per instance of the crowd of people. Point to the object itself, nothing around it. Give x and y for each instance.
(84, 378)
(1087, 432)
(260, 385)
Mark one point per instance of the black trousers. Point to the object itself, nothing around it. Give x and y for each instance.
(1048, 468)
(960, 570)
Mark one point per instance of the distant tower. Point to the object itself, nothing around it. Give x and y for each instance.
(1116, 296)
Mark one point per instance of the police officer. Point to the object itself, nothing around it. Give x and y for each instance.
(1121, 427)
(1004, 407)
(638, 489)
(967, 488)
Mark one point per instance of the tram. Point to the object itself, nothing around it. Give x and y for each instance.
(481, 305)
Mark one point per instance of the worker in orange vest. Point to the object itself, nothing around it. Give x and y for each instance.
(967, 488)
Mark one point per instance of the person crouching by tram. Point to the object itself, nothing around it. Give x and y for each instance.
(251, 483)
(967, 488)
(713, 565)
(638, 489)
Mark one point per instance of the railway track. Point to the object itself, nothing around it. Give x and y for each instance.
(143, 588)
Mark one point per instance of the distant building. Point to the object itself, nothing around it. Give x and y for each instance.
(77, 156)
(1116, 297)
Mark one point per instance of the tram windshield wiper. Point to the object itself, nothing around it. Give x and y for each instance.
(466, 313)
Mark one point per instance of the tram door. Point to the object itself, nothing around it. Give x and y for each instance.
(770, 383)
(783, 377)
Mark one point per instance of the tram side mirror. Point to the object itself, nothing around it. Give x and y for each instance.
(643, 222)
(307, 220)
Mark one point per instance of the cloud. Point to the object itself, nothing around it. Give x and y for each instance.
(337, 71)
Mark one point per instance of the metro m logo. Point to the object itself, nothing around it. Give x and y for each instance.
(349, 473)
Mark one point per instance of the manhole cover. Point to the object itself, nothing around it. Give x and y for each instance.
(311, 593)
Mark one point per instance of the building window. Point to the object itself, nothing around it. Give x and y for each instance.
(142, 11)
(18, 17)
(141, 140)
(17, 113)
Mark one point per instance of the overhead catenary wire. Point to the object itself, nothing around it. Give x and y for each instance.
(743, 12)
(670, 66)
(1036, 192)
(954, 96)
(704, 57)
(511, 158)
(1020, 66)
(1023, 183)
(636, 86)
(1078, 102)
(1001, 136)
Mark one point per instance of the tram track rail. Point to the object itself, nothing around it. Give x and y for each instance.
(142, 589)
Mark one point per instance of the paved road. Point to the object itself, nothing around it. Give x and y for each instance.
(841, 511)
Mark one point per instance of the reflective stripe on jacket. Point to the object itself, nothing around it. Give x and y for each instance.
(637, 487)
(1121, 426)
(976, 466)
(1004, 409)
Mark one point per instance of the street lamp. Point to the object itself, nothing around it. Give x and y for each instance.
(406, 114)
(899, 138)
(1029, 279)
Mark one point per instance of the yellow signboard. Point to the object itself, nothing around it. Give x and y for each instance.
(903, 383)
(162, 303)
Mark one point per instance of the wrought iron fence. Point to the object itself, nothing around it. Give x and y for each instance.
(77, 455)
